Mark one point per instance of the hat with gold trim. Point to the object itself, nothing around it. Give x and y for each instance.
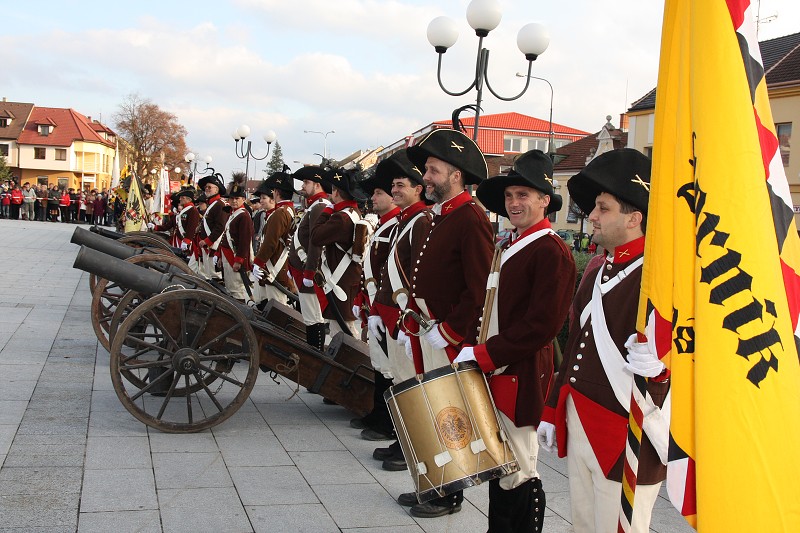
(624, 172)
(452, 147)
(532, 169)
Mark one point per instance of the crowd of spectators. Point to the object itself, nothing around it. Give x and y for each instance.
(49, 203)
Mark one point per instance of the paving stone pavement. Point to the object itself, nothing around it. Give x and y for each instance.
(73, 459)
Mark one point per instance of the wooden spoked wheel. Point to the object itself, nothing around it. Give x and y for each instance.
(106, 294)
(176, 344)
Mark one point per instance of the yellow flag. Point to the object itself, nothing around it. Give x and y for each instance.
(720, 280)
(135, 212)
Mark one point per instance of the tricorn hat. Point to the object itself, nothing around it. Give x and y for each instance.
(347, 181)
(213, 179)
(201, 198)
(313, 173)
(397, 165)
(283, 181)
(532, 169)
(186, 191)
(624, 172)
(264, 188)
(452, 147)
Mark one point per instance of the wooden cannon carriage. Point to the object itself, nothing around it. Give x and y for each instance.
(185, 355)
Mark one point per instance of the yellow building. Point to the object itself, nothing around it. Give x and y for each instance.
(56, 146)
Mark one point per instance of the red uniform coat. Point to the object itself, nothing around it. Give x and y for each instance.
(582, 375)
(240, 246)
(335, 227)
(450, 273)
(533, 299)
(216, 217)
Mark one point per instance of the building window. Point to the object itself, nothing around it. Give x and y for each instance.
(3, 122)
(42, 180)
(512, 144)
(4, 150)
(44, 130)
(61, 154)
(648, 151)
(574, 212)
(62, 183)
(505, 169)
(39, 153)
(784, 132)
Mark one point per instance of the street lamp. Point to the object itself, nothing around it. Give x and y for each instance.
(551, 149)
(191, 161)
(324, 142)
(240, 134)
(484, 16)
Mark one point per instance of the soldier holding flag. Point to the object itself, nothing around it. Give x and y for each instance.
(587, 410)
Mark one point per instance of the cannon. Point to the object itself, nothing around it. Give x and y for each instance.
(186, 358)
(106, 295)
(139, 238)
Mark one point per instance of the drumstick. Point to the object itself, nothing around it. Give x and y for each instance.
(491, 288)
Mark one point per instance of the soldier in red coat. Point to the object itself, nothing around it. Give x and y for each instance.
(532, 295)
(212, 224)
(377, 425)
(448, 283)
(305, 257)
(236, 247)
(394, 287)
(334, 229)
(586, 412)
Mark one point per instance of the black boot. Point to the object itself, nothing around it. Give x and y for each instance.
(520, 509)
(439, 507)
(315, 336)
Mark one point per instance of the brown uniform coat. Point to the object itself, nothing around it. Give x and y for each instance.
(313, 252)
(582, 375)
(275, 238)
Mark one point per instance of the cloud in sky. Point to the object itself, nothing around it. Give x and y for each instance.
(363, 68)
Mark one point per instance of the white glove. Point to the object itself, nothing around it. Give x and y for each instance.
(404, 341)
(184, 246)
(356, 311)
(308, 282)
(216, 259)
(258, 272)
(641, 360)
(435, 339)
(376, 327)
(466, 354)
(151, 226)
(546, 435)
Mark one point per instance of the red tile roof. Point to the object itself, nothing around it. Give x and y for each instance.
(492, 129)
(69, 126)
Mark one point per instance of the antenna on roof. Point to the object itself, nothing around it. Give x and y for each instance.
(766, 20)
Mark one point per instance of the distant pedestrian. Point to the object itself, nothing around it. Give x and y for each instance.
(63, 206)
(16, 201)
(99, 209)
(53, 201)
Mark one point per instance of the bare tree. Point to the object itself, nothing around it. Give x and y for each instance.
(156, 137)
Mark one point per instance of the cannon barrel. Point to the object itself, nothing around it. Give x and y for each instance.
(139, 278)
(125, 274)
(115, 235)
(108, 246)
(111, 234)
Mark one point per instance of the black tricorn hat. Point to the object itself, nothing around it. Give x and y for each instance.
(315, 174)
(186, 191)
(213, 179)
(201, 198)
(347, 181)
(236, 190)
(283, 181)
(264, 188)
(624, 172)
(452, 147)
(397, 165)
(532, 169)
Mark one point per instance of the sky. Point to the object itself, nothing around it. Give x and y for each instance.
(360, 68)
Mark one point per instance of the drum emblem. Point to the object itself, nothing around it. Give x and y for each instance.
(454, 427)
